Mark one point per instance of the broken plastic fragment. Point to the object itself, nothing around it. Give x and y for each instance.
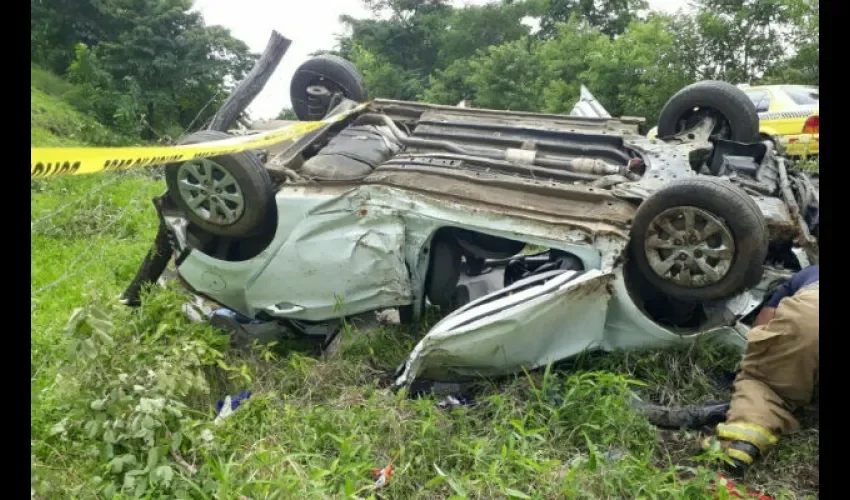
(226, 407)
(382, 476)
(731, 488)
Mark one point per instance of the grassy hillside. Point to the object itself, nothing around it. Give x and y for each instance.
(87, 233)
(122, 401)
(55, 122)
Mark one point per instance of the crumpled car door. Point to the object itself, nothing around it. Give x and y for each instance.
(542, 319)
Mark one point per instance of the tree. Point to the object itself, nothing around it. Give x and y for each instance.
(578, 54)
(803, 67)
(141, 64)
(508, 76)
(407, 42)
(415, 39)
(610, 16)
(57, 26)
(287, 114)
(155, 66)
(633, 74)
(473, 28)
(385, 79)
(643, 69)
(739, 40)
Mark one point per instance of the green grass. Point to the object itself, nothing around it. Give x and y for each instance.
(81, 242)
(55, 122)
(122, 400)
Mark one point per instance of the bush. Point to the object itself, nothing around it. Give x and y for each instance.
(121, 405)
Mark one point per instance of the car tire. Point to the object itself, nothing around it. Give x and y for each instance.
(330, 72)
(443, 271)
(723, 99)
(719, 266)
(251, 201)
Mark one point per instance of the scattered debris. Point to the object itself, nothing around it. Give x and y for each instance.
(614, 455)
(245, 331)
(725, 381)
(229, 405)
(382, 476)
(361, 324)
(389, 317)
(455, 402)
(194, 311)
(587, 105)
(610, 456)
(554, 398)
(232, 315)
(731, 488)
(183, 463)
(332, 345)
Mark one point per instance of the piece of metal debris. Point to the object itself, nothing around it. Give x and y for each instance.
(587, 105)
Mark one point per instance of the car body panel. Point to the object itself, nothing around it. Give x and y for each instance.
(405, 110)
(628, 327)
(575, 312)
(587, 105)
(509, 330)
(348, 246)
(801, 144)
(359, 250)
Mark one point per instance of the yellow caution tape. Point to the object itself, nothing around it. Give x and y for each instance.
(53, 162)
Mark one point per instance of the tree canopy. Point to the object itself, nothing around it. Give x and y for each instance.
(534, 55)
(153, 68)
(144, 67)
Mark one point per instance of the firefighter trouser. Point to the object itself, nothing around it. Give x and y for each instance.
(778, 374)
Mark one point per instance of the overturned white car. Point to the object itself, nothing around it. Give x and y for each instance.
(538, 236)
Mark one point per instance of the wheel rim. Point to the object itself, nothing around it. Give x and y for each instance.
(210, 192)
(722, 128)
(689, 247)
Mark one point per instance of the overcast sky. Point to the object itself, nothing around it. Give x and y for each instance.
(310, 24)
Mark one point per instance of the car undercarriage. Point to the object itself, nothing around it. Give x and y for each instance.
(537, 236)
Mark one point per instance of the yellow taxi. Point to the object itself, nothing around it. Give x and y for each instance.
(787, 113)
(790, 112)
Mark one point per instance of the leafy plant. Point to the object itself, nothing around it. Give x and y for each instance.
(124, 398)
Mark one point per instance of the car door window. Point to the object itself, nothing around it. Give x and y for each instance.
(802, 95)
(760, 99)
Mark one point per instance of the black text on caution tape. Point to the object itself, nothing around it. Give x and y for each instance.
(50, 169)
(128, 164)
